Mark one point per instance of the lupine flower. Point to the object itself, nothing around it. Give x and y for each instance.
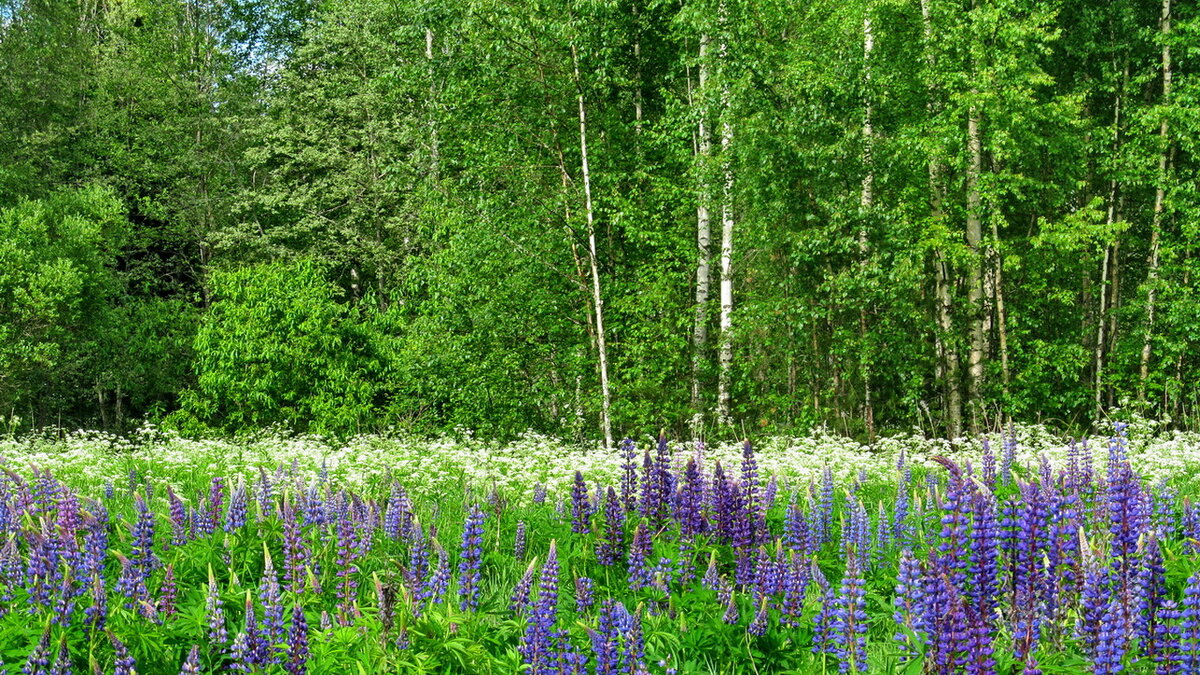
(239, 654)
(539, 646)
(580, 510)
(712, 577)
(168, 592)
(439, 582)
(62, 660)
(909, 604)
(628, 473)
(470, 560)
(639, 558)
(297, 641)
(39, 658)
(191, 665)
(235, 519)
(611, 543)
(849, 620)
(271, 628)
(124, 663)
(1110, 647)
(795, 588)
(179, 519)
(520, 601)
(519, 543)
(583, 594)
(758, 625)
(217, 634)
(1189, 627)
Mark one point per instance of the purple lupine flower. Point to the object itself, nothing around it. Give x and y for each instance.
(398, 513)
(297, 643)
(217, 634)
(539, 644)
(639, 558)
(296, 555)
(712, 577)
(882, 539)
(1007, 457)
(731, 616)
(539, 494)
(795, 527)
(989, 464)
(265, 494)
(519, 541)
(179, 519)
(758, 625)
(584, 596)
(96, 615)
(1112, 642)
(191, 665)
(62, 660)
(1151, 593)
(123, 663)
(520, 601)
(39, 658)
(751, 499)
(826, 503)
(235, 518)
(795, 588)
(271, 627)
(1191, 525)
(418, 560)
(168, 592)
(470, 559)
(439, 582)
(983, 559)
(347, 570)
(611, 543)
(691, 502)
(823, 642)
(1167, 660)
(580, 509)
(909, 605)
(1189, 626)
(239, 654)
(849, 624)
(629, 469)
(142, 555)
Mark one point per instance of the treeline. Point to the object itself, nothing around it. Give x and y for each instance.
(586, 217)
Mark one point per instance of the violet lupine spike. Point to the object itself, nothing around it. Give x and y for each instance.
(179, 519)
(758, 625)
(989, 464)
(168, 592)
(62, 660)
(296, 554)
(795, 527)
(1112, 642)
(731, 616)
(629, 469)
(691, 501)
(909, 604)
(540, 644)
(347, 570)
(584, 595)
(123, 662)
(96, 614)
(751, 499)
(191, 665)
(39, 659)
(1189, 626)
(471, 558)
(795, 589)
(520, 601)
(639, 558)
(439, 582)
(271, 626)
(519, 540)
(418, 561)
(712, 576)
(239, 654)
(297, 643)
(580, 510)
(611, 544)
(393, 524)
(217, 634)
(849, 625)
(1151, 593)
(235, 518)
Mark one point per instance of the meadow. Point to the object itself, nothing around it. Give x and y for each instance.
(1020, 552)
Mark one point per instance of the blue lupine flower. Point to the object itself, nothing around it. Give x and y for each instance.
(191, 665)
(471, 558)
(849, 624)
(580, 510)
(584, 597)
(297, 641)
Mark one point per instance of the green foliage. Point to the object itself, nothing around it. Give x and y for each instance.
(276, 347)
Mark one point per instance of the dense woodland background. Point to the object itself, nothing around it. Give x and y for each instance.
(588, 217)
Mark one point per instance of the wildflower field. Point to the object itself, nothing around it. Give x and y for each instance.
(1020, 553)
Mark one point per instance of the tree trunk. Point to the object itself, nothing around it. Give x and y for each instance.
(975, 275)
(597, 301)
(703, 236)
(434, 150)
(1001, 319)
(1159, 196)
(726, 354)
(1109, 250)
(947, 350)
(867, 201)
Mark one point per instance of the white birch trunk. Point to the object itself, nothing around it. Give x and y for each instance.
(597, 300)
(725, 364)
(1159, 197)
(703, 237)
(867, 200)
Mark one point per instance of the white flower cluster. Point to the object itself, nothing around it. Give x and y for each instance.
(429, 466)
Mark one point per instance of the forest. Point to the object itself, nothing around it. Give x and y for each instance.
(583, 217)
